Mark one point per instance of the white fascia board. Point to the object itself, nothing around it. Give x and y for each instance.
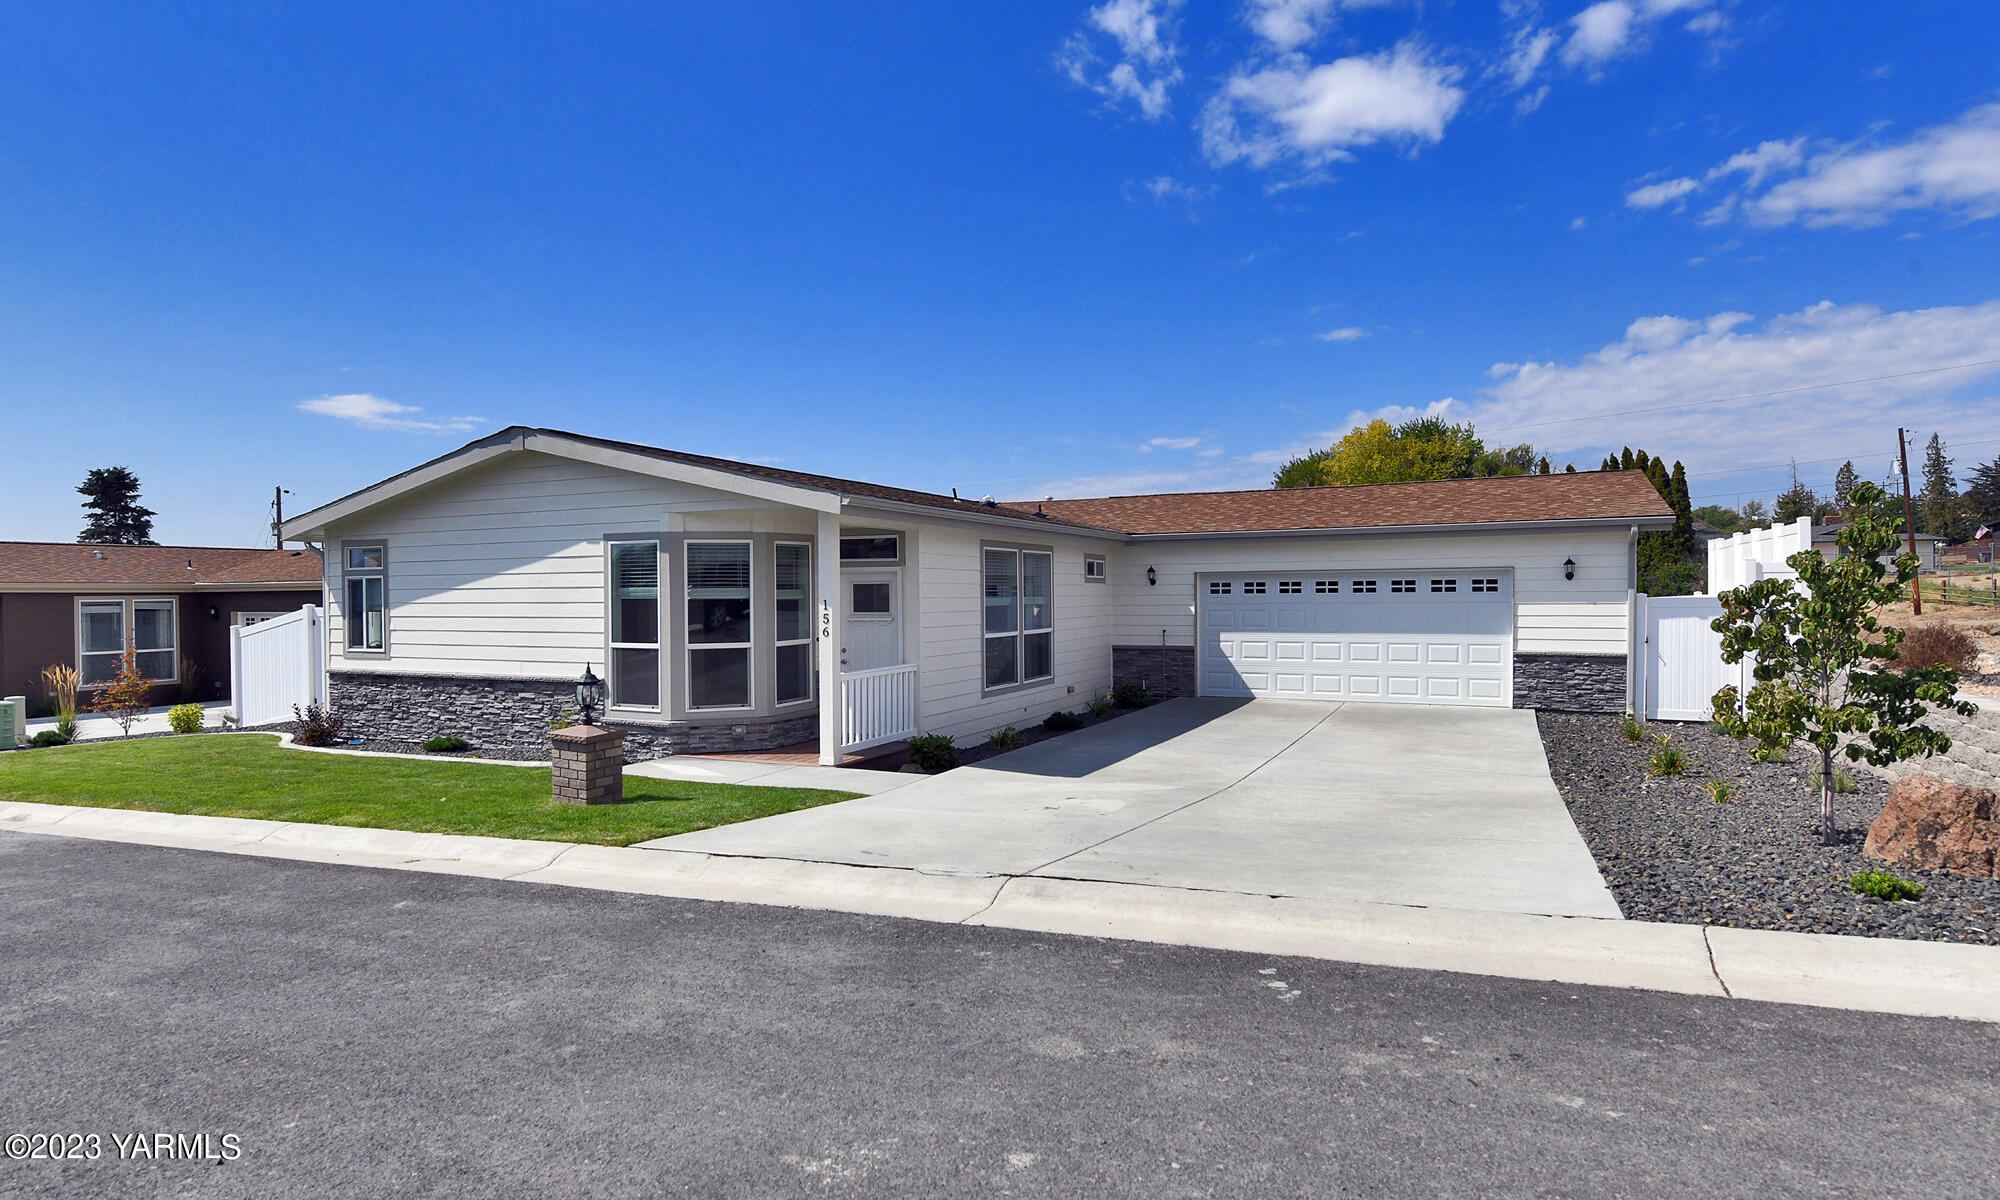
(862, 506)
(755, 487)
(100, 588)
(1466, 529)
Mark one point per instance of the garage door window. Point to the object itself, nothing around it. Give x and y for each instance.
(1253, 587)
(1019, 601)
(1364, 587)
(1403, 586)
(1486, 585)
(1444, 585)
(1220, 587)
(1326, 587)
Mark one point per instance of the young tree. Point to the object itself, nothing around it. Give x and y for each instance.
(1843, 484)
(111, 498)
(126, 697)
(1823, 674)
(1754, 514)
(1937, 504)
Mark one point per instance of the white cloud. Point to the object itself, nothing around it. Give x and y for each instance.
(1166, 188)
(1952, 168)
(1653, 195)
(1147, 67)
(1610, 28)
(1347, 333)
(373, 412)
(1290, 110)
(1169, 443)
(1668, 361)
(1290, 24)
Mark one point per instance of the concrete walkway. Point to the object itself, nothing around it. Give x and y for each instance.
(1406, 805)
(97, 727)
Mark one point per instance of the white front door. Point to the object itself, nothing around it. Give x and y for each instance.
(872, 635)
(1416, 636)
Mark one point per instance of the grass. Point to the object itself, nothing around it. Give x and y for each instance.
(246, 775)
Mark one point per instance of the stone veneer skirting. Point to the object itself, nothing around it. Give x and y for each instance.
(517, 712)
(1570, 682)
(1167, 671)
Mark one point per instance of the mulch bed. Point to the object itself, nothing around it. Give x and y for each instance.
(969, 753)
(1672, 854)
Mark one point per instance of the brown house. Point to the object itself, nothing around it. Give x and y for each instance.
(79, 604)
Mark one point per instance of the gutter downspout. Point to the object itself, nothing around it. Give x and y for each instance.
(1634, 640)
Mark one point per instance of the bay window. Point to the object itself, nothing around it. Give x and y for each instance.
(1019, 627)
(792, 582)
(104, 627)
(719, 624)
(635, 625)
(367, 612)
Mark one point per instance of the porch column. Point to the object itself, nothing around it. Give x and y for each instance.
(826, 589)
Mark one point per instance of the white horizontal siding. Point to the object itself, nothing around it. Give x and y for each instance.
(1552, 614)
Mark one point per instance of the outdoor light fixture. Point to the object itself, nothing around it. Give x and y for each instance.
(212, 613)
(590, 693)
(1152, 577)
(1569, 568)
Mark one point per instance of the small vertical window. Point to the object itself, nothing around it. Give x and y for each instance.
(635, 624)
(792, 581)
(367, 611)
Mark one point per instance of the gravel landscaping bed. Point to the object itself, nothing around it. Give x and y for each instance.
(1672, 854)
(972, 752)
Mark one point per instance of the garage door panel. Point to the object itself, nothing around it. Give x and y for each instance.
(1445, 638)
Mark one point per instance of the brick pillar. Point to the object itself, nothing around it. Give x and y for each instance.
(589, 765)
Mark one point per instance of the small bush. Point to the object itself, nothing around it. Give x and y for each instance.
(1130, 695)
(1101, 708)
(1004, 738)
(49, 737)
(933, 752)
(1765, 752)
(185, 718)
(1667, 758)
(1843, 783)
(1631, 728)
(446, 743)
(1719, 789)
(1885, 886)
(318, 726)
(562, 720)
(1062, 722)
(1936, 645)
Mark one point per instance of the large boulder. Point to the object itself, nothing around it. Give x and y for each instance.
(1937, 825)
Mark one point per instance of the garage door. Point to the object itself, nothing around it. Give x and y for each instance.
(1412, 637)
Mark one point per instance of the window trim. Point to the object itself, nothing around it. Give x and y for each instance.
(347, 547)
(1103, 566)
(125, 634)
(777, 643)
(690, 647)
(659, 647)
(1021, 632)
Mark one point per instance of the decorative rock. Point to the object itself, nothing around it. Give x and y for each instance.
(1937, 825)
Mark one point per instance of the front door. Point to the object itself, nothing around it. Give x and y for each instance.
(872, 635)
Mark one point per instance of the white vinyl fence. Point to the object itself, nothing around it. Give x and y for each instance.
(275, 664)
(1679, 658)
(1756, 554)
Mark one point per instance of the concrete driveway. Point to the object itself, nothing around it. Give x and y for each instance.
(1392, 804)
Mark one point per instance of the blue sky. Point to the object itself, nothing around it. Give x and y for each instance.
(1022, 249)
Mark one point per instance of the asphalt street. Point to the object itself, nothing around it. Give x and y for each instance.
(366, 1032)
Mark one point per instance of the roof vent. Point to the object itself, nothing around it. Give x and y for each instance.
(989, 502)
(98, 555)
(190, 564)
(1038, 512)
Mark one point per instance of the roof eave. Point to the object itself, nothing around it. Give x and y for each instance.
(1556, 525)
(975, 513)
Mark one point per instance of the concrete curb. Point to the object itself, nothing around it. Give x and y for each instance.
(1865, 974)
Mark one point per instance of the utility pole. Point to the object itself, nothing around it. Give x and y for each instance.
(278, 516)
(1910, 525)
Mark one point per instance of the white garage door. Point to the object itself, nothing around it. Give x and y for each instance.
(1408, 636)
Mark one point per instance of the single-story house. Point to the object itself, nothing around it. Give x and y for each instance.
(736, 606)
(1930, 548)
(79, 604)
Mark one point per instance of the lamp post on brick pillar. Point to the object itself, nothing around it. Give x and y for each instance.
(587, 763)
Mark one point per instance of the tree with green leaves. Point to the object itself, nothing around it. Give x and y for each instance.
(1938, 510)
(1982, 498)
(1798, 501)
(1726, 519)
(111, 498)
(1823, 673)
(1843, 484)
(1419, 449)
(1542, 467)
(1755, 514)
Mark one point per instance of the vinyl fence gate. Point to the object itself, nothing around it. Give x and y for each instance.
(1680, 658)
(275, 664)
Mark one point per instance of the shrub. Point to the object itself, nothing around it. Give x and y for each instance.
(1883, 885)
(1935, 644)
(318, 726)
(562, 720)
(1004, 738)
(1667, 758)
(1101, 708)
(446, 743)
(1843, 783)
(1062, 722)
(1130, 695)
(933, 752)
(1719, 789)
(1765, 753)
(185, 718)
(61, 681)
(49, 737)
(128, 694)
(1631, 728)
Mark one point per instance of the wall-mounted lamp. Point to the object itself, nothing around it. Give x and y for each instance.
(1152, 577)
(1569, 568)
(212, 613)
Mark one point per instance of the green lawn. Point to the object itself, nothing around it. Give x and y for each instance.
(244, 775)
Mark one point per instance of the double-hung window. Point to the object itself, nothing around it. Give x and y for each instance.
(367, 611)
(635, 624)
(718, 624)
(106, 626)
(1019, 588)
(792, 581)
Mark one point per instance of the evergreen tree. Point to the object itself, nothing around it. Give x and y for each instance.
(1937, 504)
(1677, 496)
(1625, 459)
(1981, 503)
(1542, 467)
(1843, 484)
(1797, 501)
(1570, 469)
(111, 498)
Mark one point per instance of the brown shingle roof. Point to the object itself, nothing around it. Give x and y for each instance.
(1585, 495)
(46, 563)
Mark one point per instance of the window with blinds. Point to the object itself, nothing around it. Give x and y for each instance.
(719, 624)
(635, 625)
(792, 582)
(1019, 592)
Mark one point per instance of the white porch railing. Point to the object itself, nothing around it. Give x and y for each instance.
(877, 706)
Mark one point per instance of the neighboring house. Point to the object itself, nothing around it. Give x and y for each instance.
(721, 598)
(1930, 549)
(79, 604)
